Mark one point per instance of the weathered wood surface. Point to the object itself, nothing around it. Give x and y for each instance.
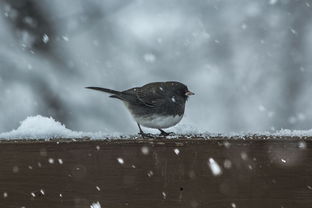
(255, 173)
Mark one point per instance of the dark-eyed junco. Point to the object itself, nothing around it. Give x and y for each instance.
(157, 105)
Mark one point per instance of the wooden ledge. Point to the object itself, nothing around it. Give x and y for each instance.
(254, 171)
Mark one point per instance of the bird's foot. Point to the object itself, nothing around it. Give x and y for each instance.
(146, 135)
(164, 134)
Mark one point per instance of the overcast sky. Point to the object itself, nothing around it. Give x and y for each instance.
(248, 61)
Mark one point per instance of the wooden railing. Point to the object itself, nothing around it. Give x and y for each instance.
(255, 171)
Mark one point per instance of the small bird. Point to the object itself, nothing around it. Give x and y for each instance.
(157, 105)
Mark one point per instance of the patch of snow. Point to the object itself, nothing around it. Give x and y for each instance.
(39, 127)
(214, 167)
(291, 133)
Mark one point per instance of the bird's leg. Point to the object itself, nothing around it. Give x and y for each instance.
(144, 134)
(163, 133)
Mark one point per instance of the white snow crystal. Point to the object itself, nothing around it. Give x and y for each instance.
(150, 173)
(233, 205)
(283, 160)
(244, 155)
(5, 194)
(98, 188)
(261, 108)
(302, 145)
(145, 150)
(51, 160)
(95, 205)
(42, 191)
(227, 163)
(65, 38)
(45, 38)
(150, 58)
(173, 99)
(164, 194)
(272, 2)
(15, 169)
(293, 31)
(60, 161)
(120, 160)
(176, 151)
(215, 168)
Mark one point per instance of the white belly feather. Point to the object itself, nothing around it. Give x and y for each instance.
(158, 121)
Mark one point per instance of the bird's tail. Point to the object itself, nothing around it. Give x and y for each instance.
(115, 94)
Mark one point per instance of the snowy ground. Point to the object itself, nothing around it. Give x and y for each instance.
(39, 127)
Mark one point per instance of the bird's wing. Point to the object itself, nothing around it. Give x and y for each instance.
(149, 96)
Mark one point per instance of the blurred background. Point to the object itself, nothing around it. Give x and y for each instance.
(248, 61)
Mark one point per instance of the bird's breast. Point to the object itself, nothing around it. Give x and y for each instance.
(158, 121)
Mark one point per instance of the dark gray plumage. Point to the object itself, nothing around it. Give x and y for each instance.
(154, 105)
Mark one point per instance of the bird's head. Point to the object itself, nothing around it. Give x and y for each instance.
(181, 90)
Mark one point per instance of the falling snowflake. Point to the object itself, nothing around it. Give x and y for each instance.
(95, 205)
(120, 160)
(45, 38)
(215, 168)
(51, 160)
(145, 150)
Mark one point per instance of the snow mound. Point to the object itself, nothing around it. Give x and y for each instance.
(39, 127)
(292, 133)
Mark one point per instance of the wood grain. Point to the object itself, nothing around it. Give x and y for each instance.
(271, 172)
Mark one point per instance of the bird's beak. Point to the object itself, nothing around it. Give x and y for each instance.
(188, 93)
